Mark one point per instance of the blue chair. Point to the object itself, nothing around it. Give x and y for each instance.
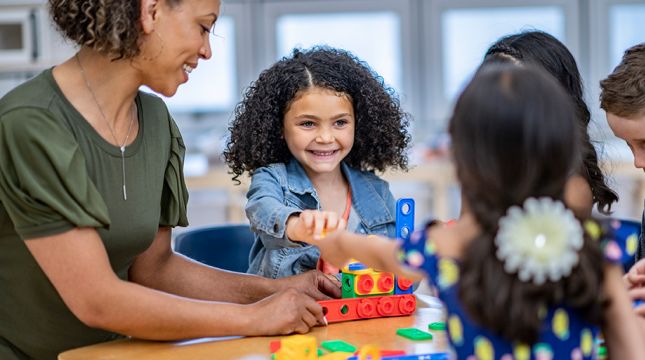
(223, 246)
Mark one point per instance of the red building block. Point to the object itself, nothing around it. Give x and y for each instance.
(338, 310)
(403, 286)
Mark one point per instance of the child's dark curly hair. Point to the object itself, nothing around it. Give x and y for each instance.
(381, 136)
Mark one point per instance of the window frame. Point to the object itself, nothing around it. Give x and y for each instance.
(438, 108)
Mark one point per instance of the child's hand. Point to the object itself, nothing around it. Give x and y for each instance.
(311, 225)
(635, 277)
(377, 252)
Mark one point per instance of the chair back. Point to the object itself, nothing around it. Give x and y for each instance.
(222, 246)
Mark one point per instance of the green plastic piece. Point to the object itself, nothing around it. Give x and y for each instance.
(320, 352)
(414, 334)
(348, 286)
(437, 326)
(602, 351)
(338, 345)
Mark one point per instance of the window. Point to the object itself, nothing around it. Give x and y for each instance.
(354, 32)
(625, 30)
(457, 34)
(467, 34)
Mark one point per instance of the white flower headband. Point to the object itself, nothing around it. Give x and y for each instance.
(539, 241)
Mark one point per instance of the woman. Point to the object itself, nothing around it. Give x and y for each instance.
(92, 184)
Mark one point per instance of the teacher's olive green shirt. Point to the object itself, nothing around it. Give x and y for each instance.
(57, 173)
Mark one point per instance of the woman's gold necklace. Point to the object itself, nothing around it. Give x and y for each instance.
(132, 116)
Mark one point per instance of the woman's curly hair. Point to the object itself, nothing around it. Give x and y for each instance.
(109, 26)
(381, 136)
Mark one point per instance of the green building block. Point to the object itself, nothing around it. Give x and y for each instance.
(338, 345)
(414, 334)
(348, 286)
(437, 326)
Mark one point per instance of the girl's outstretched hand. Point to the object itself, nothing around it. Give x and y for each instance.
(377, 252)
(312, 225)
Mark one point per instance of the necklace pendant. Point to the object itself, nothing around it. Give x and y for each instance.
(125, 194)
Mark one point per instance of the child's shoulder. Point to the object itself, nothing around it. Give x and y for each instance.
(275, 171)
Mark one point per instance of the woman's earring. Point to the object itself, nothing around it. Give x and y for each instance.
(161, 48)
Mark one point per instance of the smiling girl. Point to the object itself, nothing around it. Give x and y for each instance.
(311, 131)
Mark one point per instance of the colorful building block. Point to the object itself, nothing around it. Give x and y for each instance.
(403, 286)
(297, 347)
(338, 310)
(414, 334)
(338, 345)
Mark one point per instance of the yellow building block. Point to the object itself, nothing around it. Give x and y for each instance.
(297, 347)
(382, 283)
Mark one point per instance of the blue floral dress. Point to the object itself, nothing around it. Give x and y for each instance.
(564, 334)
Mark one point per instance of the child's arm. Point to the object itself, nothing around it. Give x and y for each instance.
(374, 251)
(279, 224)
(624, 331)
(311, 225)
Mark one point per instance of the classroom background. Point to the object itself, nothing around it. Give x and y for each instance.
(424, 49)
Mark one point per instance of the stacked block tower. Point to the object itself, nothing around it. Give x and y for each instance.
(369, 293)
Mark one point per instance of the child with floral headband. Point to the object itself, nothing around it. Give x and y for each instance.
(520, 276)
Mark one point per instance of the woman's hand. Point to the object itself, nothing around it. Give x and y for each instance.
(288, 311)
(313, 283)
(313, 225)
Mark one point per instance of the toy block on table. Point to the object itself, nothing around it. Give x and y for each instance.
(367, 284)
(403, 286)
(338, 345)
(297, 347)
(368, 293)
(368, 307)
(414, 334)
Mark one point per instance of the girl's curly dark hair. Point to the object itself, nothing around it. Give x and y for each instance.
(543, 50)
(381, 136)
(109, 26)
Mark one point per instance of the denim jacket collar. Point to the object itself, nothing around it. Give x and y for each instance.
(369, 205)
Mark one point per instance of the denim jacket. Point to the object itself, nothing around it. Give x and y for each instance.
(280, 190)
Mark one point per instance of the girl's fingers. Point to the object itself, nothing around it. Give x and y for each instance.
(332, 221)
(319, 225)
(308, 219)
